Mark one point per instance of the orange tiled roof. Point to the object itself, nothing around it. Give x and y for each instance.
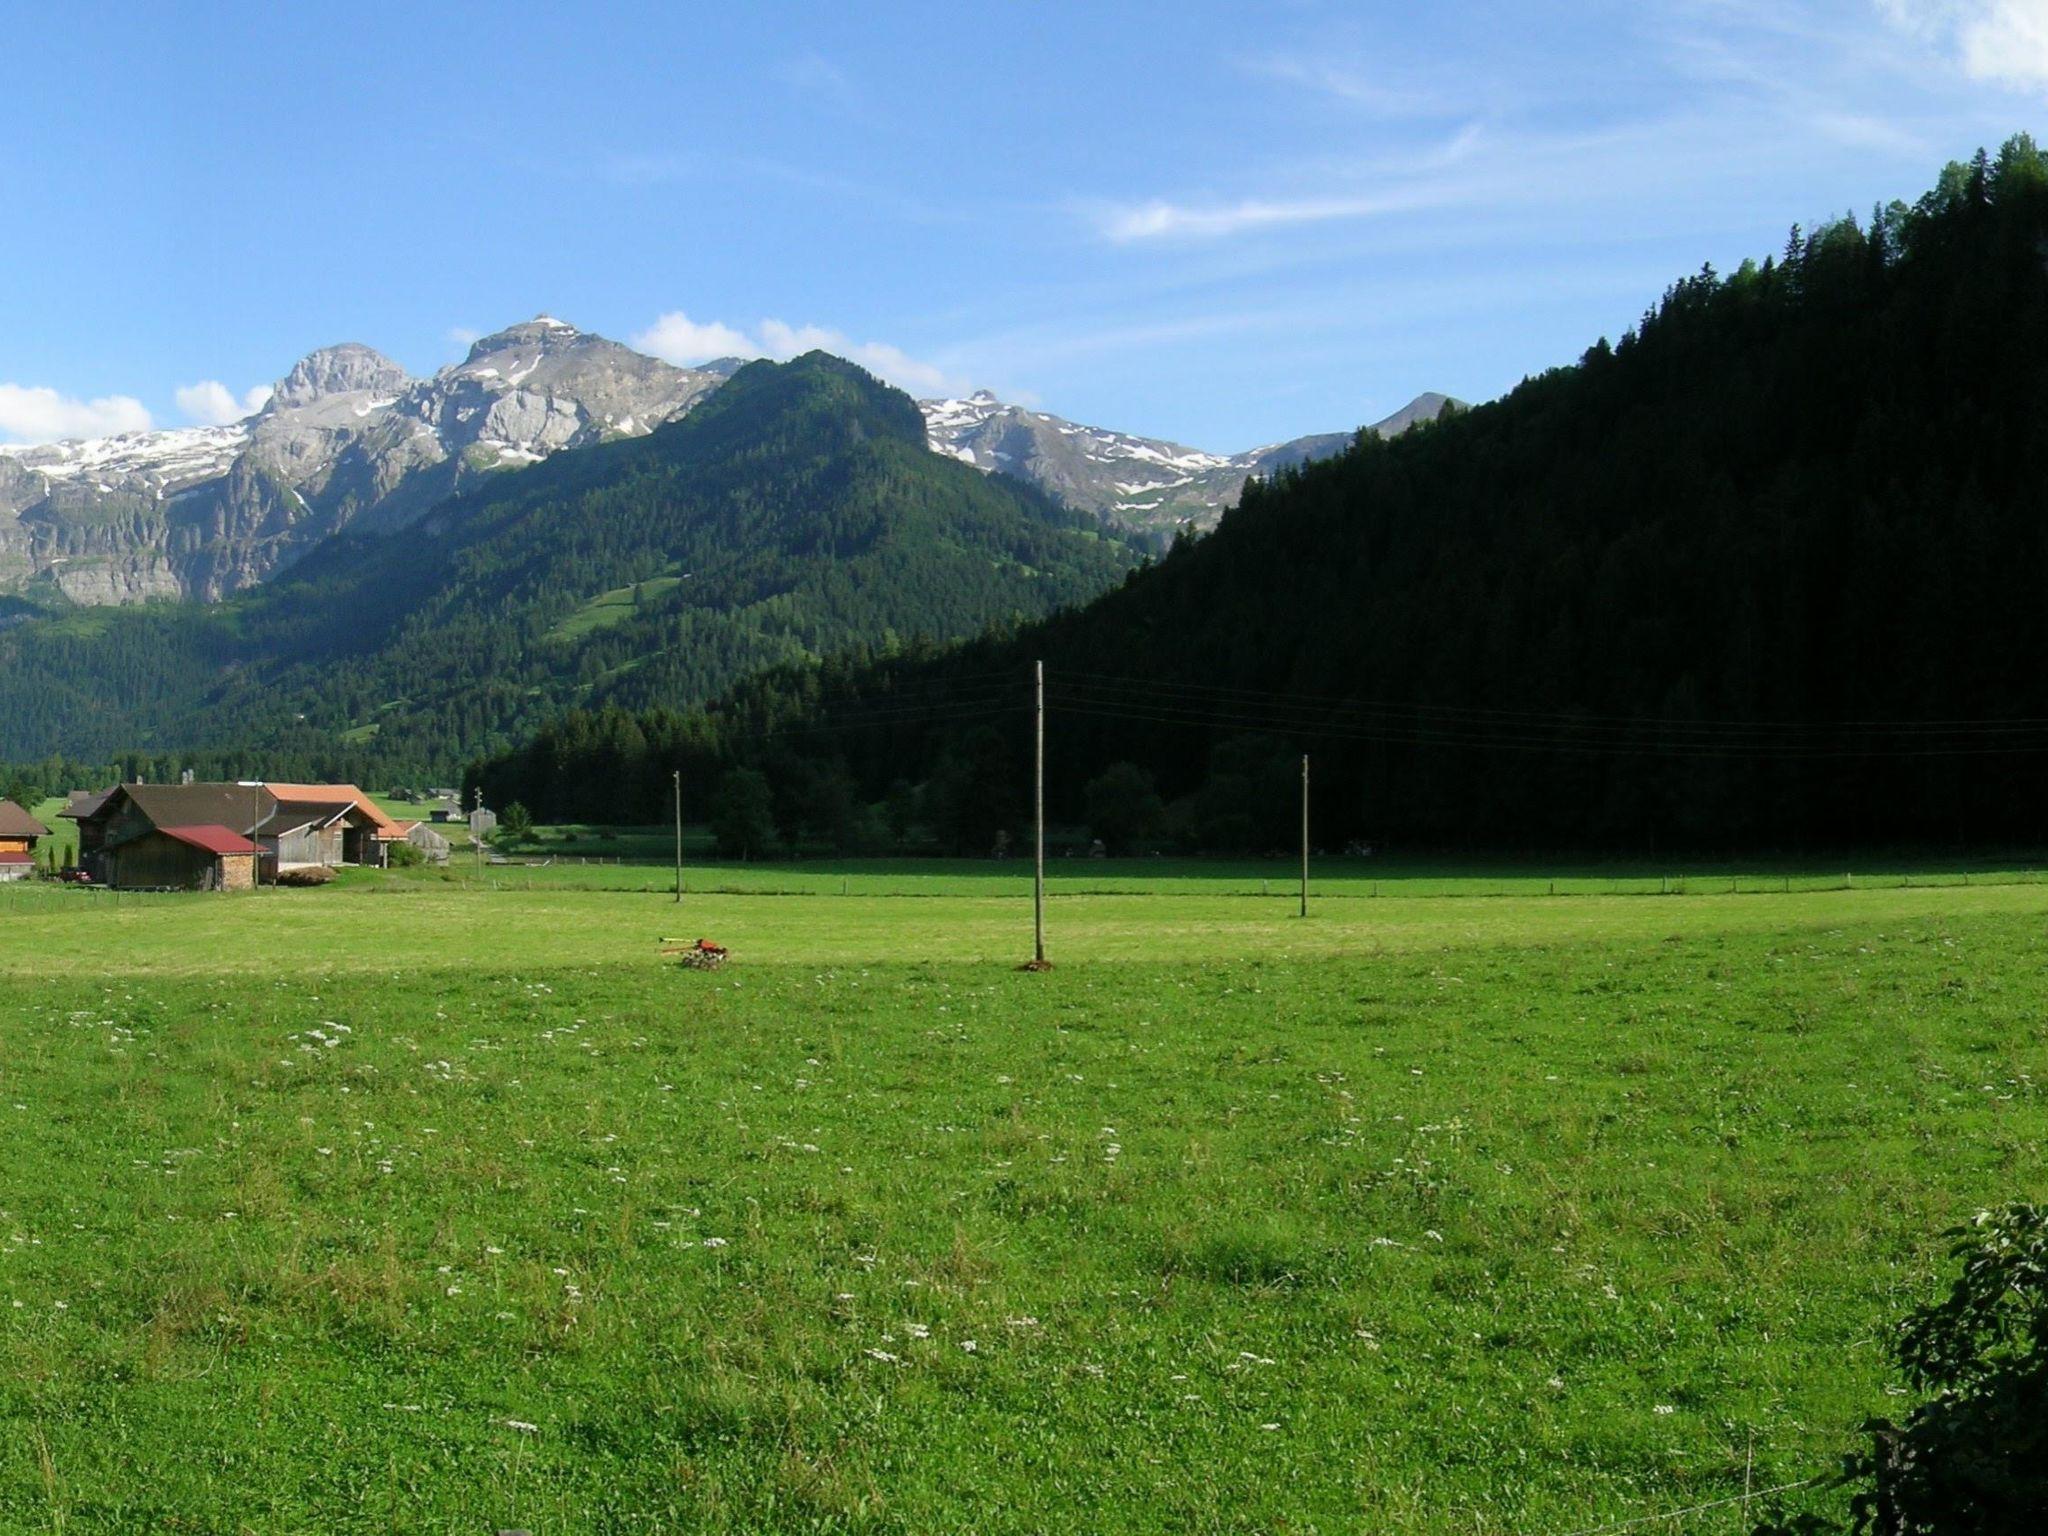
(338, 794)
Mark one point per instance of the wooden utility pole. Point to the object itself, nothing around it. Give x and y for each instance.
(1038, 813)
(679, 836)
(1304, 834)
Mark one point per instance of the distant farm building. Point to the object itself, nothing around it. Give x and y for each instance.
(431, 844)
(222, 836)
(189, 837)
(365, 829)
(19, 834)
(298, 835)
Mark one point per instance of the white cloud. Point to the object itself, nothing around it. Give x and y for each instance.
(210, 403)
(676, 338)
(1159, 219)
(1998, 40)
(36, 414)
(463, 336)
(1395, 184)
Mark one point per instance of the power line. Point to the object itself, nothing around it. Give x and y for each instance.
(1574, 719)
(1455, 735)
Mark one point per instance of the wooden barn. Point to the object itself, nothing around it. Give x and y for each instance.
(365, 830)
(174, 836)
(300, 835)
(19, 834)
(201, 858)
(431, 844)
(289, 827)
(79, 808)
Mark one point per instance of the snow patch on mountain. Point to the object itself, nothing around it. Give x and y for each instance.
(1140, 482)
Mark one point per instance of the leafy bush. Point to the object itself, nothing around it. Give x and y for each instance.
(404, 856)
(1972, 1460)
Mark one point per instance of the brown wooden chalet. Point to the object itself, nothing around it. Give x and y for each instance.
(290, 827)
(174, 836)
(19, 834)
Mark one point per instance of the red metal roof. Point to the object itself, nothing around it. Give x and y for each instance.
(212, 839)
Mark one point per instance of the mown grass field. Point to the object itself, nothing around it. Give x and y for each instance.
(413, 1204)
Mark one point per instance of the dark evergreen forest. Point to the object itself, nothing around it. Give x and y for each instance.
(1769, 571)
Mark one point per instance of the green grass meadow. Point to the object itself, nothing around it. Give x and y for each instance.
(448, 1204)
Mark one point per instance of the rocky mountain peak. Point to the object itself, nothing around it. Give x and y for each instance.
(346, 369)
(542, 332)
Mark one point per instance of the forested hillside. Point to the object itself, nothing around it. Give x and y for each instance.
(1770, 569)
(796, 513)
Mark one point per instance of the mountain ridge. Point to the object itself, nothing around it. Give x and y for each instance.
(798, 512)
(348, 439)
(346, 436)
(1146, 484)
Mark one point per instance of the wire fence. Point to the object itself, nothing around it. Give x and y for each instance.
(1070, 879)
(1663, 1517)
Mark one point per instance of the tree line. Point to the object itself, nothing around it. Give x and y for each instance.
(1764, 572)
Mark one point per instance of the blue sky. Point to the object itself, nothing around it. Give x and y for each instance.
(1224, 224)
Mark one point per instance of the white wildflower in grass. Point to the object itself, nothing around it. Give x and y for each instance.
(917, 1330)
(1269, 1426)
(884, 1356)
(969, 1345)
(522, 1426)
(1664, 1408)
(714, 1242)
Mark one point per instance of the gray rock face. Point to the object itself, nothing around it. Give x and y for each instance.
(349, 369)
(1139, 483)
(346, 438)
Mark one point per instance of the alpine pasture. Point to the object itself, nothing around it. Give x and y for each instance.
(448, 1203)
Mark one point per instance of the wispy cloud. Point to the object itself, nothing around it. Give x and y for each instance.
(1750, 81)
(1158, 219)
(38, 414)
(2002, 41)
(1404, 184)
(678, 339)
(816, 78)
(210, 403)
(1354, 83)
